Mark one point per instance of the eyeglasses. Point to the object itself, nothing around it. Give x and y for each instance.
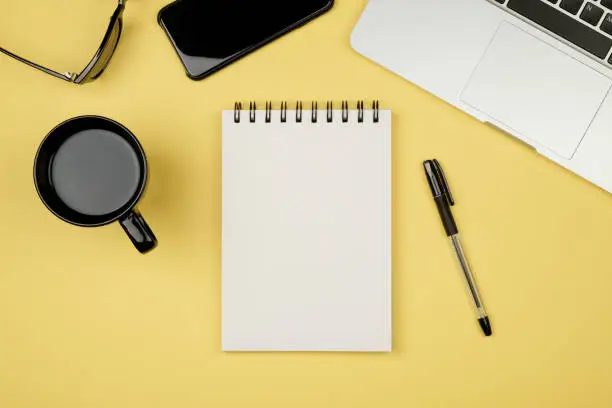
(98, 63)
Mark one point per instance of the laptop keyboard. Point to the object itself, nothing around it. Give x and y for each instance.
(585, 23)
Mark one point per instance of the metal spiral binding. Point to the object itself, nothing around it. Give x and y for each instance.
(237, 109)
(298, 112)
(268, 112)
(360, 111)
(252, 111)
(376, 110)
(283, 112)
(299, 108)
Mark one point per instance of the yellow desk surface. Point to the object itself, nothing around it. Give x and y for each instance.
(86, 321)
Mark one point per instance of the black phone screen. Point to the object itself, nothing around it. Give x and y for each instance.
(209, 34)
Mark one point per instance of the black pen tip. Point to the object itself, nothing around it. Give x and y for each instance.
(485, 325)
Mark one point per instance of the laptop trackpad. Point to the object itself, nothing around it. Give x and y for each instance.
(533, 88)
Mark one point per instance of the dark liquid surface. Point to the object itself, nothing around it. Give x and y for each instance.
(95, 172)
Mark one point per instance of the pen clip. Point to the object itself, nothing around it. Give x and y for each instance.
(445, 187)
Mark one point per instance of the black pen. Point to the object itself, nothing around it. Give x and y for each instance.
(444, 200)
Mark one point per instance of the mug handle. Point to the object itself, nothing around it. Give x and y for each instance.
(139, 232)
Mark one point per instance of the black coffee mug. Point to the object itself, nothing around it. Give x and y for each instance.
(91, 171)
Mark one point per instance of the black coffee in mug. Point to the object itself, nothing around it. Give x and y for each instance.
(91, 171)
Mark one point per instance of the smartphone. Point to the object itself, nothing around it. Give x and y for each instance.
(208, 35)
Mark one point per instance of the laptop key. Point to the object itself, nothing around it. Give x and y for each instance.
(573, 6)
(606, 25)
(556, 21)
(607, 3)
(591, 14)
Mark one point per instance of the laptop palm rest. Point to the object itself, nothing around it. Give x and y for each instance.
(542, 94)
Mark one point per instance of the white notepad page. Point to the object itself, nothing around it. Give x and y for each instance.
(306, 247)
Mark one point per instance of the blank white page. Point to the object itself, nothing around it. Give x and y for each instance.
(306, 263)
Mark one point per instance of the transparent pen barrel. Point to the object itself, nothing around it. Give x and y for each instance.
(469, 278)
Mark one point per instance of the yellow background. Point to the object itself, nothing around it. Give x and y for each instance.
(86, 321)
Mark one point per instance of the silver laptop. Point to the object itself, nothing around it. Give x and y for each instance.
(538, 69)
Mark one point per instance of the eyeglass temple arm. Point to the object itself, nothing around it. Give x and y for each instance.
(65, 76)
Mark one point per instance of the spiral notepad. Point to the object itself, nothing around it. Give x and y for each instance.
(306, 246)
